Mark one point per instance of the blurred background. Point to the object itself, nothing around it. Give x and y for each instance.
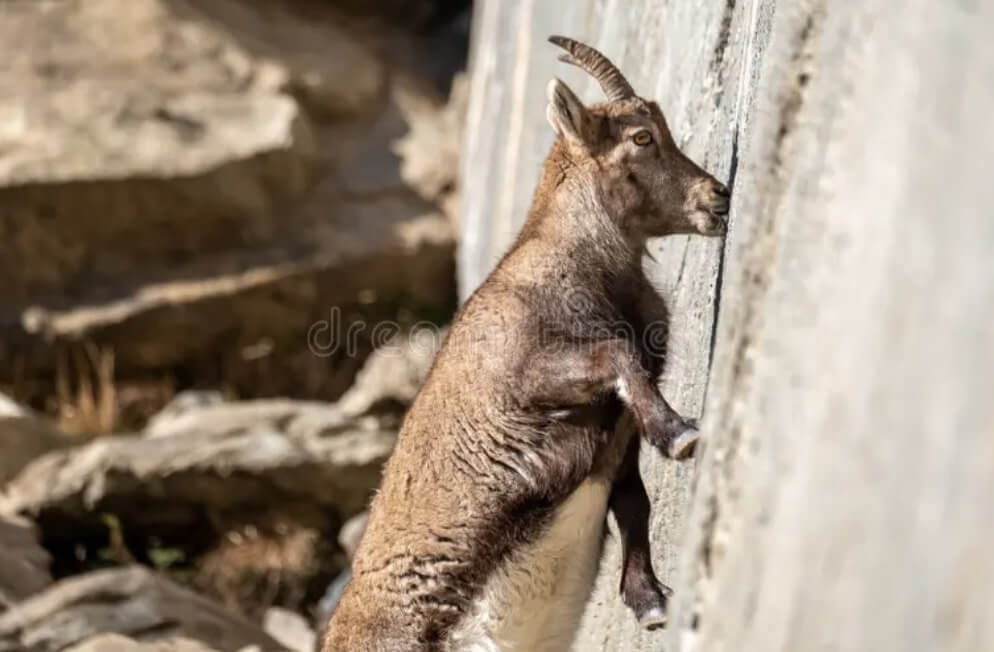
(211, 214)
(232, 233)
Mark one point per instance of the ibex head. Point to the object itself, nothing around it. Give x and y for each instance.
(646, 182)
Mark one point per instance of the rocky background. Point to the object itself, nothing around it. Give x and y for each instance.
(228, 233)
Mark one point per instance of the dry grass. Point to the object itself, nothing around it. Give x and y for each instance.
(86, 396)
(273, 564)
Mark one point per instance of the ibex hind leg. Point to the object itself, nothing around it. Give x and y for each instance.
(641, 590)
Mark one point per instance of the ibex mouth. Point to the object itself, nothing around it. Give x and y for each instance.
(719, 206)
(710, 223)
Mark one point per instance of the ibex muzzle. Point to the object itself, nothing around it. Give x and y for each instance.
(644, 178)
(487, 530)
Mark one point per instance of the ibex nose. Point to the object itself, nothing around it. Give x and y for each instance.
(711, 201)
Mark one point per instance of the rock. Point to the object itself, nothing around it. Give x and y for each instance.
(9, 408)
(351, 533)
(290, 629)
(118, 643)
(25, 436)
(131, 601)
(314, 53)
(332, 595)
(167, 99)
(348, 538)
(431, 150)
(164, 422)
(218, 458)
(131, 141)
(393, 372)
(199, 196)
(244, 498)
(23, 562)
(254, 491)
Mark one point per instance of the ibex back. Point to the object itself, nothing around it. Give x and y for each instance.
(486, 532)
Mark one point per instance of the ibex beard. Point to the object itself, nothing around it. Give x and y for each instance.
(486, 532)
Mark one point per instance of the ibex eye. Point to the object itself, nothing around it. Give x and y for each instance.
(642, 138)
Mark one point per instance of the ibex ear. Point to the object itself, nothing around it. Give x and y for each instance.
(566, 112)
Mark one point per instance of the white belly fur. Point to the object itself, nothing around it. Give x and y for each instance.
(534, 602)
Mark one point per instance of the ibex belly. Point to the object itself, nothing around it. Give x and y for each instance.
(534, 602)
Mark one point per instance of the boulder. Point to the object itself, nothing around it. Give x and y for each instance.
(194, 186)
(348, 538)
(432, 149)
(24, 436)
(118, 643)
(132, 601)
(209, 463)
(23, 563)
(351, 533)
(393, 373)
(247, 498)
(290, 629)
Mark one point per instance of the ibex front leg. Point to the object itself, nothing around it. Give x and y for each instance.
(578, 372)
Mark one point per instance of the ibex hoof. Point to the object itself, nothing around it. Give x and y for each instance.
(654, 618)
(647, 598)
(682, 446)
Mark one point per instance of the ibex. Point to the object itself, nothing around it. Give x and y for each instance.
(486, 532)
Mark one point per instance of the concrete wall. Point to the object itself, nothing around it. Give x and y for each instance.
(838, 344)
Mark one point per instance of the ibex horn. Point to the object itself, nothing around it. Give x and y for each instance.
(595, 64)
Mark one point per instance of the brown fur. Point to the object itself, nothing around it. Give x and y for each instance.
(522, 404)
